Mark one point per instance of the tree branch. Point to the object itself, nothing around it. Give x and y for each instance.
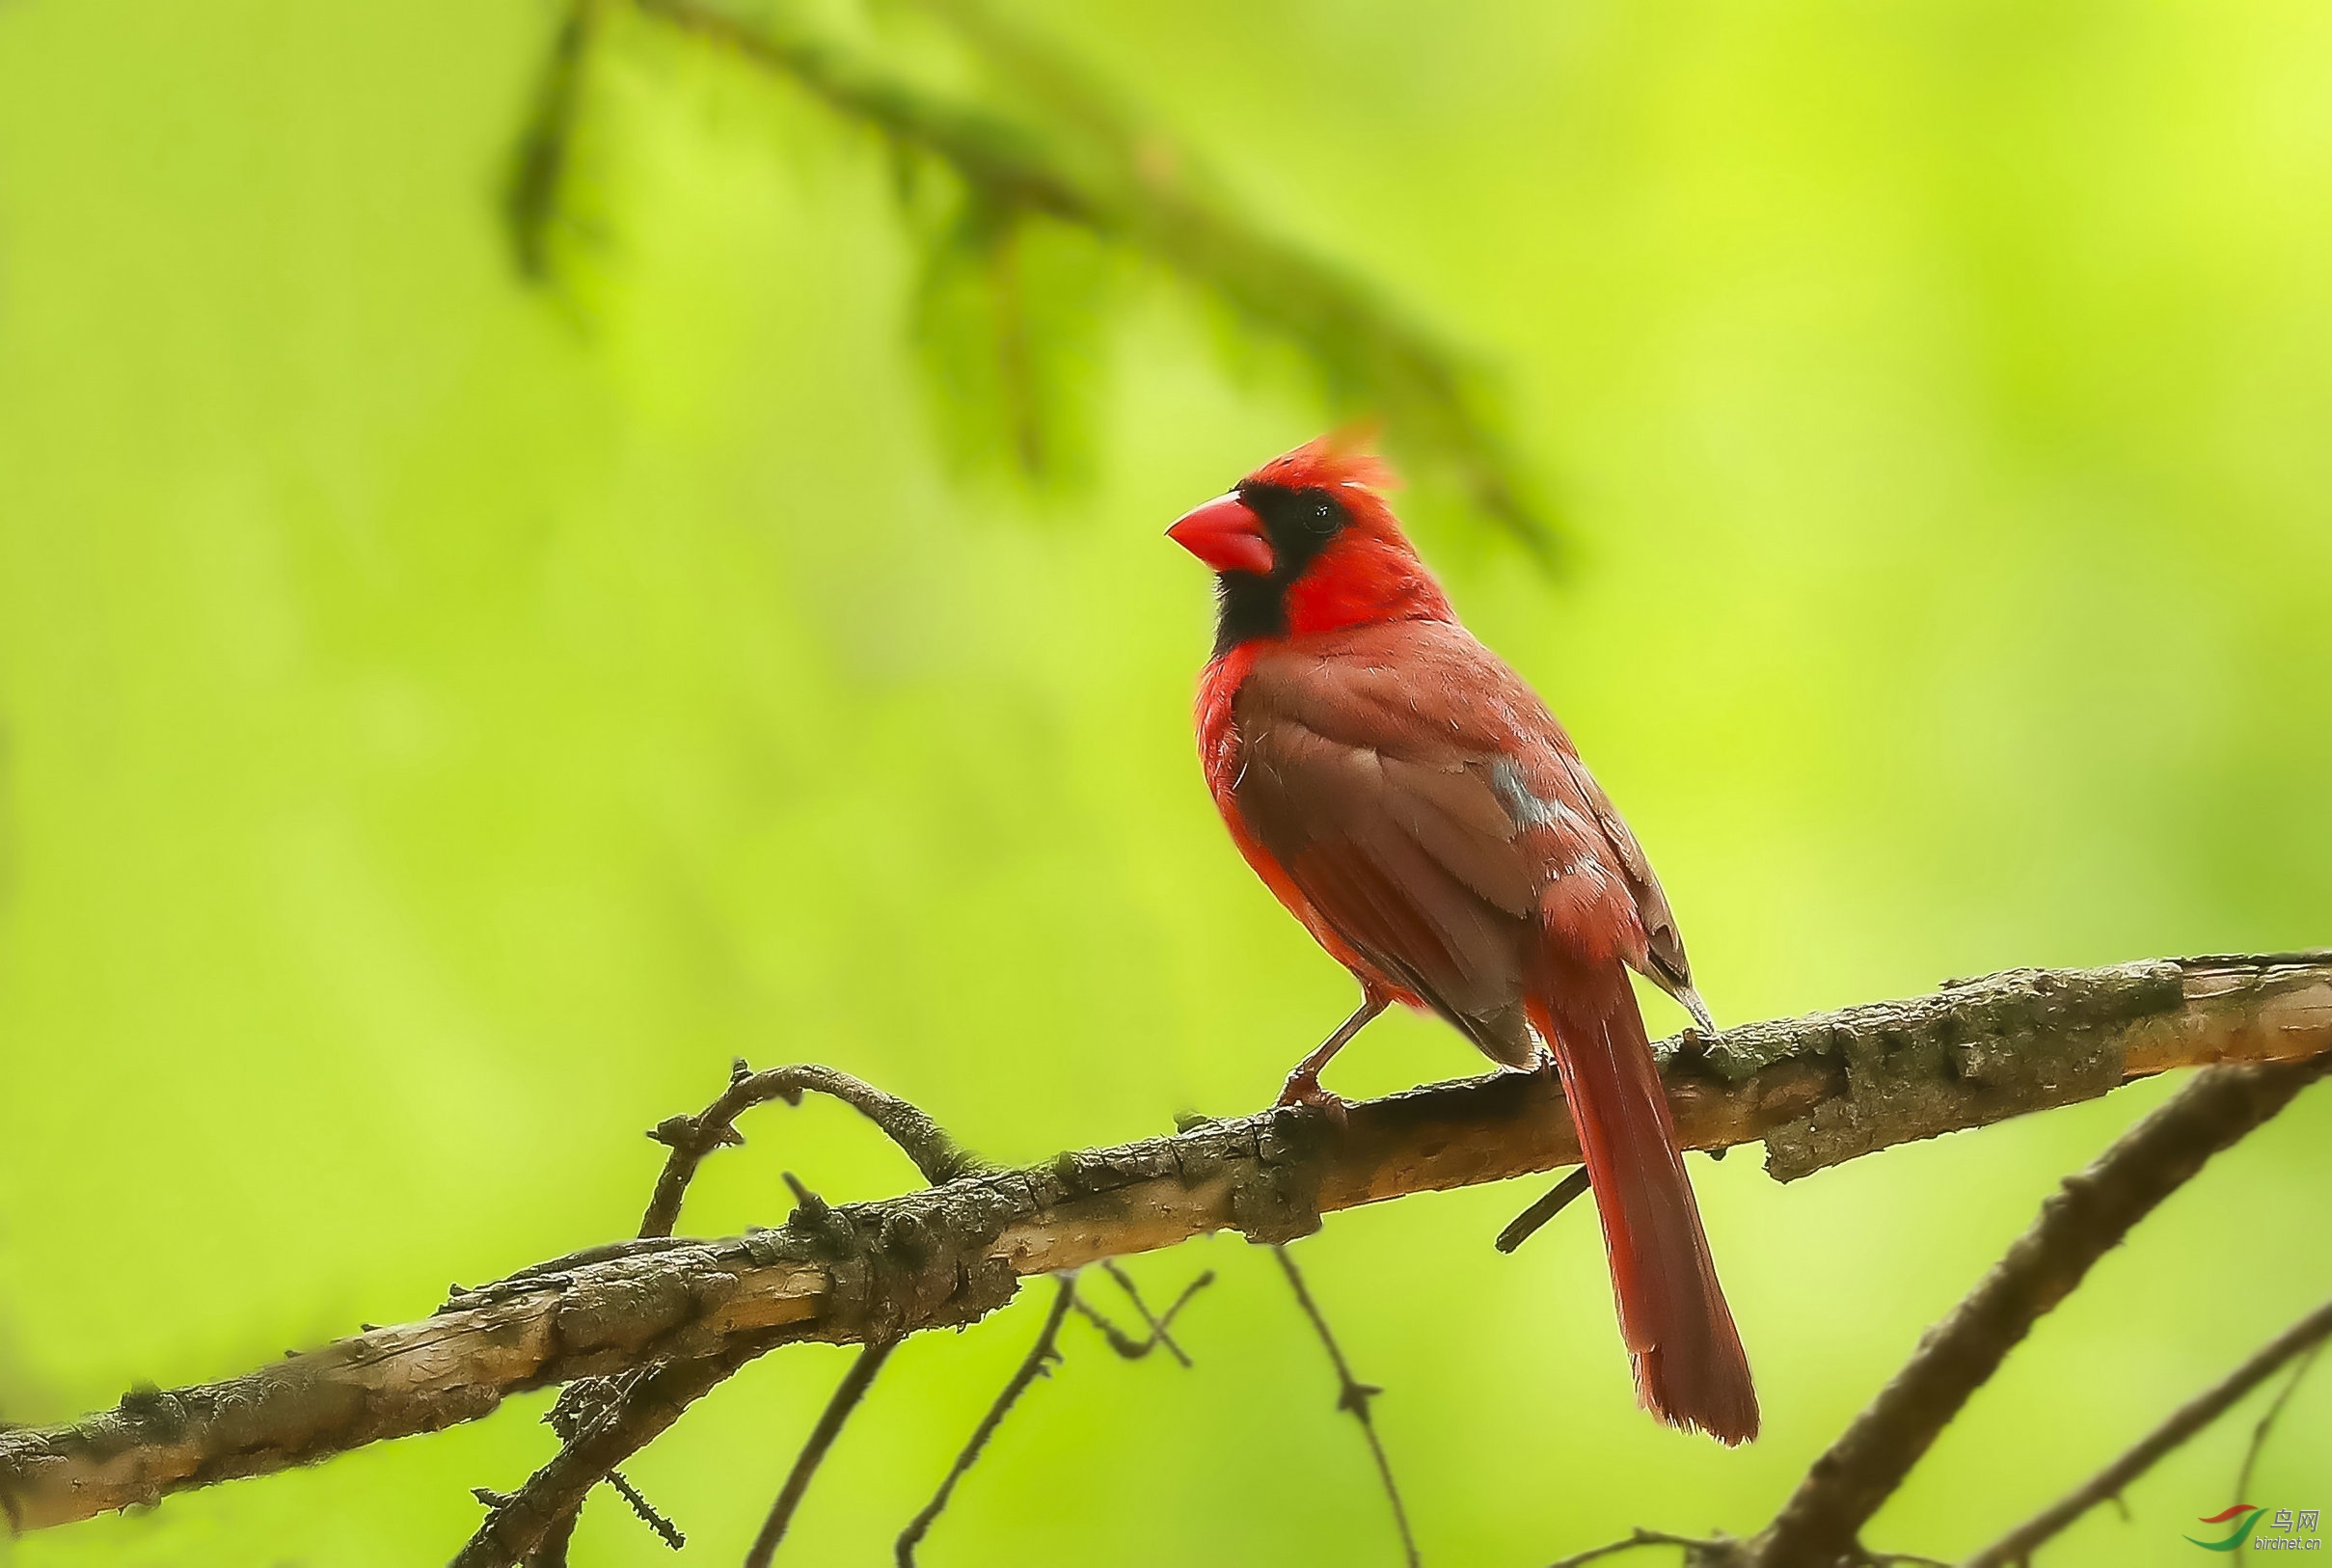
(2301, 1339)
(1817, 1090)
(530, 1514)
(2078, 1226)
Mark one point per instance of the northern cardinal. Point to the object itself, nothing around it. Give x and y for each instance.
(1414, 803)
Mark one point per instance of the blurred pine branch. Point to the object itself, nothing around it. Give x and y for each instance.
(1053, 178)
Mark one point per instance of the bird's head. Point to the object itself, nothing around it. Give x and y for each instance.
(1306, 543)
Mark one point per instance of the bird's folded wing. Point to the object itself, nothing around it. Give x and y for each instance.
(1406, 850)
(1410, 755)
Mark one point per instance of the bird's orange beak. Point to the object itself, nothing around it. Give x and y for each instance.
(1225, 534)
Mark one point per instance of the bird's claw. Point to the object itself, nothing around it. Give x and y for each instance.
(1305, 1090)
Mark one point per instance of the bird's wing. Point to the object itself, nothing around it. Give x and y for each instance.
(1384, 770)
(1665, 961)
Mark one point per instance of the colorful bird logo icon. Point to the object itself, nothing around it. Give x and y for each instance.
(2241, 1533)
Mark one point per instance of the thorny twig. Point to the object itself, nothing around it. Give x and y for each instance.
(1352, 1394)
(578, 1404)
(846, 1395)
(1037, 1364)
(2076, 1226)
(521, 1523)
(2302, 1339)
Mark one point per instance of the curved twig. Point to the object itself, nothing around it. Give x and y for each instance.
(690, 1137)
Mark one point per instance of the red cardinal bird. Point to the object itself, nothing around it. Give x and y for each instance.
(1416, 806)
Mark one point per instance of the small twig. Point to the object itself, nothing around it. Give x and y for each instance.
(2076, 1226)
(1526, 1225)
(690, 1137)
(1352, 1394)
(846, 1395)
(1037, 1364)
(1160, 1327)
(1126, 1344)
(2276, 1409)
(1697, 1548)
(2302, 1339)
(646, 1512)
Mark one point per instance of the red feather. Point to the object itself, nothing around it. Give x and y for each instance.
(1412, 802)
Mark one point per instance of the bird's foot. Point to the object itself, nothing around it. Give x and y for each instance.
(1304, 1089)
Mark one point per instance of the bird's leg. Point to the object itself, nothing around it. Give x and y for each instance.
(1304, 1083)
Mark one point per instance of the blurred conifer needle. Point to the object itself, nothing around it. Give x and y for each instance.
(1048, 144)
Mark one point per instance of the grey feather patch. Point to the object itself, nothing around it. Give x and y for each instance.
(1527, 809)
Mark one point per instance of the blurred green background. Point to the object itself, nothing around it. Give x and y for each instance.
(442, 723)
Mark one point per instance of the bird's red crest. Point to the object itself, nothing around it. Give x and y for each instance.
(1338, 458)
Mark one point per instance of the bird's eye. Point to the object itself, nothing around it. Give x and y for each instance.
(1323, 516)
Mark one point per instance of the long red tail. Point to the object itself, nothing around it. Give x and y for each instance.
(1689, 1367)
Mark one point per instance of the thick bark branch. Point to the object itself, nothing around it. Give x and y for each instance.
(1816, 1089)
(2078, 1225)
